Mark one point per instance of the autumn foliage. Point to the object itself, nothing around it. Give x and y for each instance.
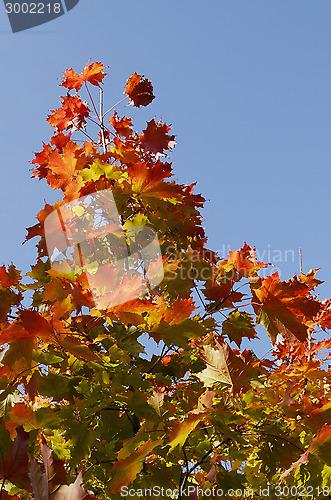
(83, 413)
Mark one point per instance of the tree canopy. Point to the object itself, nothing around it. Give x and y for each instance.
(83, 414)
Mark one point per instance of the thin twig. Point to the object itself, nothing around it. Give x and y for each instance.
(185, 457)
(95, 109)
(98, 124)
(101, 462)
(217, 305)
(160, 357)
(21, 373)
(2, 486)
(200, 297)
(200, 462)
(101, 122)
(83, 132)
(119, 102)
(283, 439)
(300, 254)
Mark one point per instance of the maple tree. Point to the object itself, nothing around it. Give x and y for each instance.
(82, 413)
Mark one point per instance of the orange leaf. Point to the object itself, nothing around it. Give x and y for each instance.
(310, 279)
(23, 414)
(323, 436)
(14, 333)
(29, 325)
(166, 360)
(123, 126)
(72, 108)
(38, 326)
(92, 73)
(78, 349)
(71, 80)
(62, 167)
(181, 430)
(324, 319)
(128, 468)
(284, 307)
(242, 263)
(10, 277)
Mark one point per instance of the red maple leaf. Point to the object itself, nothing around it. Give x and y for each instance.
(221, 295)
(71, 80)
(122, 126)
(41, 159)
(325, 315)
(310, 279)
(140, 90)
(10, 277)
(93, 73)
(29, 325)
(155, 138)
(285, 307)
(60, 140)
(14, 462)
(72, 107)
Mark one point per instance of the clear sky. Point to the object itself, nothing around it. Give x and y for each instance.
(246, 86)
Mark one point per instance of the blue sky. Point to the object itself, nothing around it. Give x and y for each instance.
(246, 86)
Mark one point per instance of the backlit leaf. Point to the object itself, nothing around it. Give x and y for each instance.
(182, 430)
(92, 73)
(239, 325)
(155, 138)
(140, 90)
(14, 462)
(126, 470)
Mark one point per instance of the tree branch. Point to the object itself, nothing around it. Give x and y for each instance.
(200, 462)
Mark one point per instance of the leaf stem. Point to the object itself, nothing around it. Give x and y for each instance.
(119, 102)
(95, 109)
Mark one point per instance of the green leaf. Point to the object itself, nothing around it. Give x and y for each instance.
(326, 476)
(239, 325)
